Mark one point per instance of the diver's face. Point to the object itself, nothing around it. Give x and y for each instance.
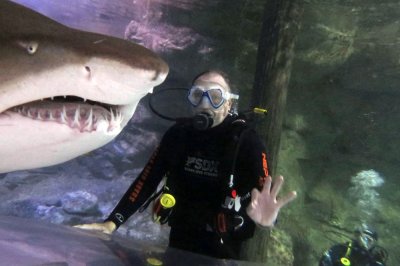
(212, 81)
(366, 241)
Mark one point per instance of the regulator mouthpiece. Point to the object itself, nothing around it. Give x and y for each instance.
(202, 121)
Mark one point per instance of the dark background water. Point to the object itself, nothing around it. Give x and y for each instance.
(340, 144)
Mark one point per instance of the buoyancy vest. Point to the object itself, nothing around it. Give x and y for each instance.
(234, 130)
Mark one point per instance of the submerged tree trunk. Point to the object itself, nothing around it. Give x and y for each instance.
(281, 23)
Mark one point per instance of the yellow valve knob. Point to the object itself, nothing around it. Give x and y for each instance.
(167, 200)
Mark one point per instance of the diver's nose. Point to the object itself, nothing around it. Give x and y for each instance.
(205, 103)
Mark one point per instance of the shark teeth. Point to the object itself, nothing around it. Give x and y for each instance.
(83, 117)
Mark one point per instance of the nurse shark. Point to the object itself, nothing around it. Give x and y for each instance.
(64, 92)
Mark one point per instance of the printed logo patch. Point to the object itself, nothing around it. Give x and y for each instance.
(119, 217)
(202, 166)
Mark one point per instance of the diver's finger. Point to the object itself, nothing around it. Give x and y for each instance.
(288, 198)
(106, 227)
(94, 226)
(267, 186)
(277, 186)
(84, 226)
(251, 209)
(255, 194)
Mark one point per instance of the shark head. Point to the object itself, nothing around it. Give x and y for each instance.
(64, 92)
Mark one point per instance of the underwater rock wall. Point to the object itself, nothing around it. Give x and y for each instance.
(339, 145)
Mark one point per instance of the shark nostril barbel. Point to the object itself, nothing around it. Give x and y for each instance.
(88, 72)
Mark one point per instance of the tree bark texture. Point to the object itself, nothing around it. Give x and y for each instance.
(281, 23)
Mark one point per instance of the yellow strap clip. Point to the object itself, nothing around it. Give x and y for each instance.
(344, 260)
(260, 111)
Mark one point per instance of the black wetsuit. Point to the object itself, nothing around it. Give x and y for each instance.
(197, 165)
(351, 252)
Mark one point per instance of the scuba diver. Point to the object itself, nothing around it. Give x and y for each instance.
(217, 186)
(361, 251)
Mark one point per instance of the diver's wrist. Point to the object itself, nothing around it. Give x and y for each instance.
(267, 227)
(264, 227)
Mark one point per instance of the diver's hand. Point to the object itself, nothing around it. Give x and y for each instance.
(106, 227)
(264, 206)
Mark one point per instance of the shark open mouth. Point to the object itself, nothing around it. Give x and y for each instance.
(75, 112)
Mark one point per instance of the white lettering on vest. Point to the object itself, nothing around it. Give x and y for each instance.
(201, 166)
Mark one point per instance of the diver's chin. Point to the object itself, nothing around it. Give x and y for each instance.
(216, 123)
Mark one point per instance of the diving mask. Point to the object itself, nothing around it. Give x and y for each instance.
(367, 238)
(216, 95)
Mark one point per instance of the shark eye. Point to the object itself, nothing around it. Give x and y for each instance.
(31, 46)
